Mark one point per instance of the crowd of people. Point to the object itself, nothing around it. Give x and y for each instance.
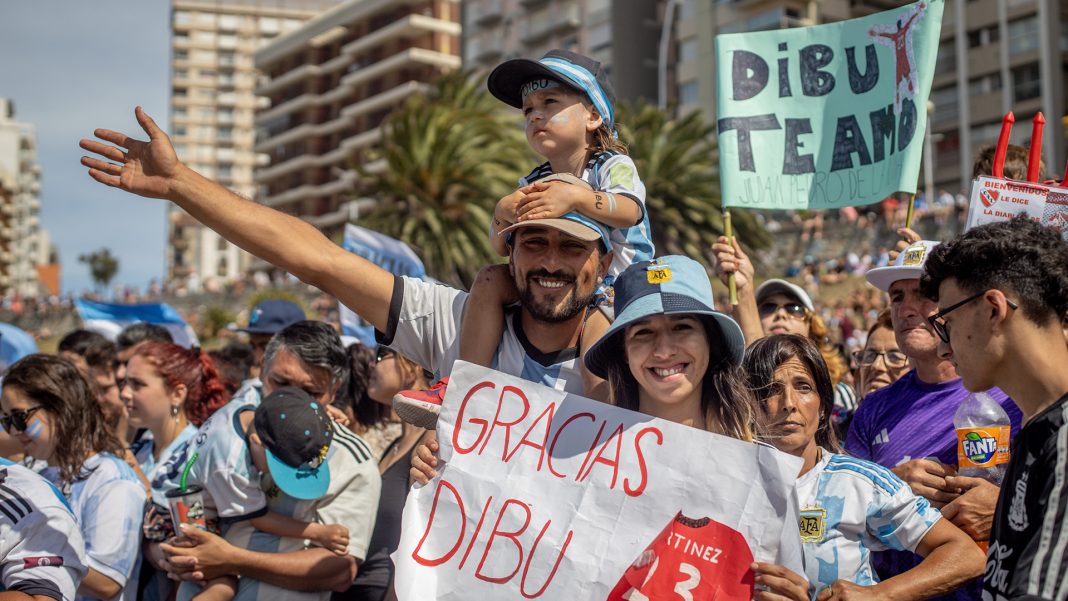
(140, 469)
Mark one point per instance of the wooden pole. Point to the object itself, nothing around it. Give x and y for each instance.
(732, 285)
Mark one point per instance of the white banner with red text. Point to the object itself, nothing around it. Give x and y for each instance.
(547, 495)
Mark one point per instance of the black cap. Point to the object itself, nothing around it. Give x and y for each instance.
(296, 432)
(571, 68)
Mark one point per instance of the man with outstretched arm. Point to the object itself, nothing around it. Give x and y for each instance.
(556, 263)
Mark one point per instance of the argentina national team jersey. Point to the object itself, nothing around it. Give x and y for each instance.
(851, 507)
(41, 547)
(108, 504)
(424, 325)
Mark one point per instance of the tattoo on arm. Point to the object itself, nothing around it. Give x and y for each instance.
(598, 201)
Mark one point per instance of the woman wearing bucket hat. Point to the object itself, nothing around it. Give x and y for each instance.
(671, 355)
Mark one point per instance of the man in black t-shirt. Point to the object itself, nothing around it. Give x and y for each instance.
(1002, 291)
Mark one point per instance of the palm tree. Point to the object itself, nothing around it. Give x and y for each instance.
(678, 163)
(450, 155)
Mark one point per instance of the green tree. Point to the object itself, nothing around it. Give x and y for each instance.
(678, 162)
(102, 266)
(450, 156)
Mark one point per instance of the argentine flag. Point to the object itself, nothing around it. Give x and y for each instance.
(388, 253)
(108, 319)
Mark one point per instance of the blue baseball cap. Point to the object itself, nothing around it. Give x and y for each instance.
(669, 285)
(273, 316)
(586, 75)
(573, 224)
(296, 433)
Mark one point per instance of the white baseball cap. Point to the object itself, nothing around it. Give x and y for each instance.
(907, 266)
(782, 286)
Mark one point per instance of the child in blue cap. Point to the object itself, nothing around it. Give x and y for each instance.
(567, 103)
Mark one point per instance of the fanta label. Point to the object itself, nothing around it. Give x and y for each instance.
(982, 447)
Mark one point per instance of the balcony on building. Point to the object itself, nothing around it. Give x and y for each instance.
(554, 19)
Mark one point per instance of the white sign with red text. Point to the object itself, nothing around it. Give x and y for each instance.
(547, 495)
(995, 199)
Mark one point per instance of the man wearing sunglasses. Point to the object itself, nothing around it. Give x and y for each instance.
(1002, 293)
(908, 425)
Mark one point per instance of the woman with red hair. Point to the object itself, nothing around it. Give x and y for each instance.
(171, 391)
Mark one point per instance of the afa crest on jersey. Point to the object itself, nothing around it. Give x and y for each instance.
(813, 524)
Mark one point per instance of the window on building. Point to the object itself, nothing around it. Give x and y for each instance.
(225, 133)
(179, 92)
(984, 36)
(600, 36)
(226, 58)
(181, 73)
(985, 84)
(688, 93)
(1023, 35)
(1026, 82)
(183, 17)
(179, 130)
(688, 49)
(945, 104)
(228, 22)
(946, 62)
(181, 55)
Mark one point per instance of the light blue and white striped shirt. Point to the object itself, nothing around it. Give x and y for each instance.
(851, 507)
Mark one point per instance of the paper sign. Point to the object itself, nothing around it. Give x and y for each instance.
(546, 495)
(827, 116)
(995, 199)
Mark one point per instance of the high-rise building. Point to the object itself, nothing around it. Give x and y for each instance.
(994, 56)
(330, 84)
(622, 36)
(213, 100)
(23, 245)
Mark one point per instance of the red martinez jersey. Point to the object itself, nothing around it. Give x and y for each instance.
(690, 560)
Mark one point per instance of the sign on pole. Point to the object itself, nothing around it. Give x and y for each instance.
(546, 495)
(826, 116)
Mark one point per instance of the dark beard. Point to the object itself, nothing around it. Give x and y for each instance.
(571, 308)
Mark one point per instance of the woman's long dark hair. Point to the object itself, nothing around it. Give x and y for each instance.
(80, 429)
(353, 393)
(726, 403)
(766, 355)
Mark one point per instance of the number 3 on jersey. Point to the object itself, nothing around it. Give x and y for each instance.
(682, 589)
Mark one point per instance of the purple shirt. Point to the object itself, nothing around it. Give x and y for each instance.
(907, 420)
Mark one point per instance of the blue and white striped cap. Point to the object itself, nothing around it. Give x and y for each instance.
(669, 285)
(573, 69)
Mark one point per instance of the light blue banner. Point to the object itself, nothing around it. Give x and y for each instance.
(827, 116)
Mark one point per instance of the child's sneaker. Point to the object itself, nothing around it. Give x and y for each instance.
(421, 407)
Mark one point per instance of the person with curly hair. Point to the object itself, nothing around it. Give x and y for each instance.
(1002, 294)
(50, 407)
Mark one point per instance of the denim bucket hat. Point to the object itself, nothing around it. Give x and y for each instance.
(669, 285)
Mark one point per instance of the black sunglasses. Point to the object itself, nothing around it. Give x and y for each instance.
(18, 419)
(794, 310)
(938, 322)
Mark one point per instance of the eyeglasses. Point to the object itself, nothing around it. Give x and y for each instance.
(938, 321)
(19, 419)
(383, 354)
(793, 310)
(893, 359)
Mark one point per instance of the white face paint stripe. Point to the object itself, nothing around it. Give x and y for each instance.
(1051, 552)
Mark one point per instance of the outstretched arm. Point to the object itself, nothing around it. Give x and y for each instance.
(152, 169)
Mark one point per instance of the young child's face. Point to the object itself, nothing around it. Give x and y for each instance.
(558, 120)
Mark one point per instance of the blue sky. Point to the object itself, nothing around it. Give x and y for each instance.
(71, 66)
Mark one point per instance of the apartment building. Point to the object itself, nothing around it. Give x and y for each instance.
(623, 36)
(213, 100)
(329, 85)
(23, 245)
